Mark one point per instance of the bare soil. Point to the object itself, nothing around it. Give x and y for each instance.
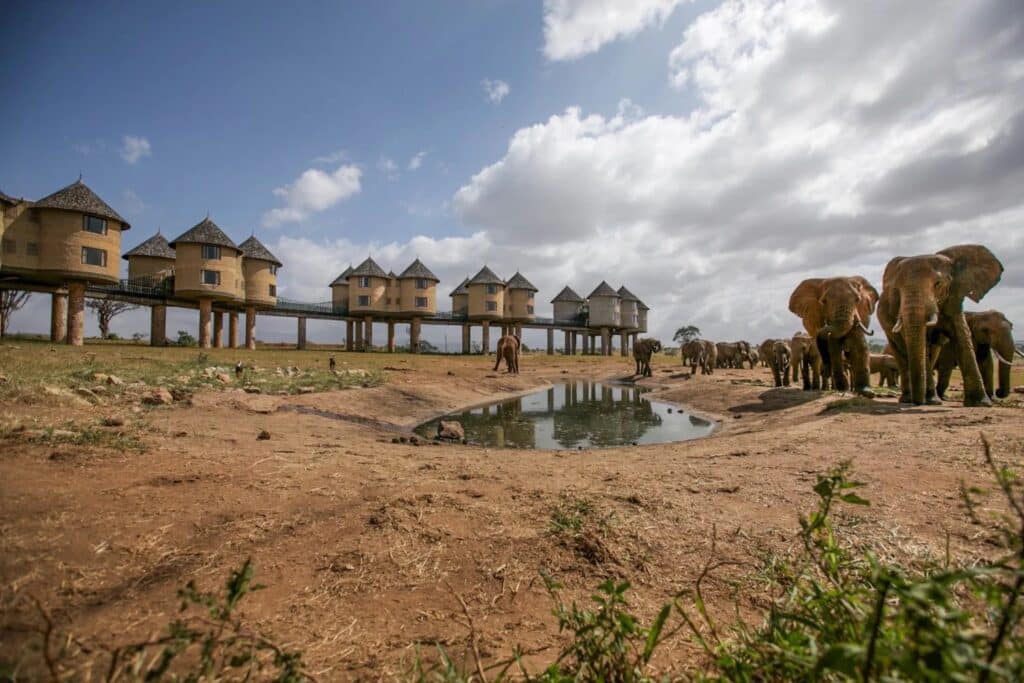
(366, 545)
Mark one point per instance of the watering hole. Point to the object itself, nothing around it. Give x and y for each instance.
(575, 415)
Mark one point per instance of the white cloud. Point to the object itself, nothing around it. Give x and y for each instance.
(388, 167)
(134, 148)
(416, 161)
(496, 90)
(574, 28)
(312, 192)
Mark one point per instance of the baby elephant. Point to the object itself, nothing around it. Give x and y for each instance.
(780, 361)
(508, 349)
(886, 367)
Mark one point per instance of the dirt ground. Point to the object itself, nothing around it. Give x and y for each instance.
(366, 545)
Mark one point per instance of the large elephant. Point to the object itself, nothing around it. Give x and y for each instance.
(835, 312)
(643, 349)
(696, 354)
(992, 335)
(922, 306)
(508, 349)
(807, 362)
(780, 362)
(733, 354)
(710, 357)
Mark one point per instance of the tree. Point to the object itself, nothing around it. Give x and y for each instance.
(686, 333)
(11, 301)
(106, 309)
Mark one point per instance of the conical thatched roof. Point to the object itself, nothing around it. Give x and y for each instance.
(627, 295)
(369, 268)
(78, 197)
(205, 232)
(603, 289)
(155, 247)
(254, 249)
(343, 278)
(7, 199)
(517, 281)
(416, 269)
(486, 276)
(642, 306)
(568, 294)
(461, 289)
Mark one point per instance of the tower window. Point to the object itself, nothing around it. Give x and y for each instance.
(94, 224)
(211, 277)
(211, 252)
(94, 257)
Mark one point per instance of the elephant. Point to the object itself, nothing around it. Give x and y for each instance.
(693, 354)
(643, 349)
(992, 335)
(755, 357)
(709, 358)
(807, 362)
(922, 306)
(780, 361)
(733, 354)
(835, 312)
(508, 349)
(887, 368)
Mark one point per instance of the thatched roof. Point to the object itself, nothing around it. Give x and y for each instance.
(155, 247)
(568, 294)
(603, 289)
(343, 278)
(517, 281)
(78, 197)
(254, 249)
(205, 232)
(627, 295)
(486, 276)
(369, 268)
(461, 289)
(416, 269)
(7, 199)
(642, 306)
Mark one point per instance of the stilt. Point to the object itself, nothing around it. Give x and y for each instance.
(606, 342)
(359, 334)
(205, 311)
(622, 341)
(59, 317)
(567, 349)
(218, 329)
(414, 335)
(391, 335)
(76, 313)
(158, 325)
(466, 332)
(485, 342)
(233, 330)
(250, 328)
(301, 345)
(349, 340)
(572, 343)
(551, 341)
(368, 334)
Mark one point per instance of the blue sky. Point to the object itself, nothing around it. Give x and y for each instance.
(709, 155)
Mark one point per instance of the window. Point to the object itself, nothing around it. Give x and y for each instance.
(211, 277)
(364, 300)
(421, 302)
(93, 224)
(492, 305)
(211, 252)
(272, 290)
(273, 269)
(10, 247)
(421, 283)
(529, 309)
(32, 249)
(492, 289)
(364, 281)
(94, 257)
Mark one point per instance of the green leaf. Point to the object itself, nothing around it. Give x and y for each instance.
(854, 499)
(655, 632)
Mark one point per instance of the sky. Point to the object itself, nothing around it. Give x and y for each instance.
(708, 155)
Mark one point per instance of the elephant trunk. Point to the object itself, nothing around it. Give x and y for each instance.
(1004, 356)
(914, 318)
(840, 323)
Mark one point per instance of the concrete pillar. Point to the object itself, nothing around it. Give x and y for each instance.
(519, 331)
(59, 317)
(158, 325)
(250, 328)
(359, 334)
(76, 314)
(466, 331)
(414, 335)
(368, 334)
(572, 343)
(205, 311)
(622, 341)
(218, 329)
(485, 342)
(584, 342)
(606, 342)
(391, 336)
(233, 330)
(301, 344)
(568, 346)
(551, 341)
(349, 340)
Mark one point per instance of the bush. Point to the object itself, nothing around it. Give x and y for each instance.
(185, 339)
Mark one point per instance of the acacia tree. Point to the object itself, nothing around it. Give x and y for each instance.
(106, 309)
(11, 300)
(686, 333)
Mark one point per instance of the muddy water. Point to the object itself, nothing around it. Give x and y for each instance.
(576, 415)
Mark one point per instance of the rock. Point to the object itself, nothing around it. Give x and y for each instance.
(183, 379)
(158, 397)
(54, 391)
(223, 378)
(450, 430)
(113, 421)
(100, 377)
(114, 380)
(209, 372)
(306, 390)
(415, 441)
(87, 393)
(1018, 390)
(250, 389)
(99, 389)
(62, 434)
(451, 374)
(264, 435)
(3, 379)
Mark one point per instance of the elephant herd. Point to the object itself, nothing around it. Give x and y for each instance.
(920, 309)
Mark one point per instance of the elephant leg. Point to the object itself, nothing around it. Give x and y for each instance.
(899, 352)
(785, 376)
(930, 395)
(836, 364)
(860, 364)
(776, 376)
(986, 367)
(945, 372)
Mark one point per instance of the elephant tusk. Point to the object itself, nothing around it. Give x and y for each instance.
(870, 333)
(999, 356)
(1019, 352)
(932, 321)
(898, 326)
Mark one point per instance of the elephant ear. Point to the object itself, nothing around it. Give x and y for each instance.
(976, 270)
(868, 298)
(805, 302)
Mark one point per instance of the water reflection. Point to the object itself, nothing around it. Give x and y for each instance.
(577, 414)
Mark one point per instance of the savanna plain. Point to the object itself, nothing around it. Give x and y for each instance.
(128, 472)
